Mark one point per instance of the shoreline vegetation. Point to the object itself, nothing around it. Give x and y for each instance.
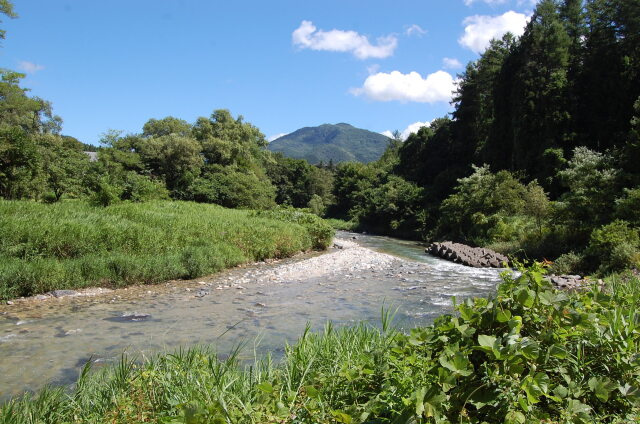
(71, 244)
(529, 354)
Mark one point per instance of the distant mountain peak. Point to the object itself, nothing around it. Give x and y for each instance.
(340, 142)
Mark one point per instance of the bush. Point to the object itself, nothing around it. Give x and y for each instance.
(568, 263)
(320, 231)
(614, 246)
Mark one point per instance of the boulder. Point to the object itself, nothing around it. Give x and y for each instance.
(466, 255)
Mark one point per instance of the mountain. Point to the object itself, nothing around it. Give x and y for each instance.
(338, 143)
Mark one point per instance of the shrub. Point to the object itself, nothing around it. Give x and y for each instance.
(614, 246)
(567, 263)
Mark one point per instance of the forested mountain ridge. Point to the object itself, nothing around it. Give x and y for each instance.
(336, 143)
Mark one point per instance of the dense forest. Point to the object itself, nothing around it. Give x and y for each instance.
(540, 157)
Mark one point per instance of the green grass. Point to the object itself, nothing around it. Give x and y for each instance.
(529, 355)
(72, 244)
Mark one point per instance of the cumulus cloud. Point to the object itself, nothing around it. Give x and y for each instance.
(479, 30)
(276, 136)
(307, 36)
(411, 87)
(29, 67)
(451, 63)
(411, 129)
(415, 30)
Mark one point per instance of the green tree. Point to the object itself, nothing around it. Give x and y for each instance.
(32, 114)
(166, 126)
(228, 141)
(176, 159)
(6, 8)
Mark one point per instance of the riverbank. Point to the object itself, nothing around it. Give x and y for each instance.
(506, 366)
(268, 303)
(73, 245)
(344, 257)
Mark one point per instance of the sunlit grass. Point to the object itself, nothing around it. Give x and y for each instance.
(74, 245)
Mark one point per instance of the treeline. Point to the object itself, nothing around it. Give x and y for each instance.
(220, 159)
(541, 156)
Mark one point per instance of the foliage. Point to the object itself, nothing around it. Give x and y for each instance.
(71, 244)
(616, 246)
(320, 232)
(530, 354)
(481, 203)
(227, 187)
(297, 182)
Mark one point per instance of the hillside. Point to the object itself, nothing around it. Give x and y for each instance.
(338, 143)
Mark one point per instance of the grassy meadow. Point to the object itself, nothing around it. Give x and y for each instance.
(70, 245)
(531, 354)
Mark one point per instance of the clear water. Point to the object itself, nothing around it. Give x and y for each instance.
(49, 343)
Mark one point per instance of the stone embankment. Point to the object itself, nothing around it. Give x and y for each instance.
(476, 257)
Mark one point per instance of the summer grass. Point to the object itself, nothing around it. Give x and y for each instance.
(73, 244)
(531, 354)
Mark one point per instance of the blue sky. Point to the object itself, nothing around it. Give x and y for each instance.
(283, 65)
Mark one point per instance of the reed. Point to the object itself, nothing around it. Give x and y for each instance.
(72, 244)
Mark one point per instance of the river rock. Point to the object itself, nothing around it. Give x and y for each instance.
(570, 282)
(63, 293)
(477, 257)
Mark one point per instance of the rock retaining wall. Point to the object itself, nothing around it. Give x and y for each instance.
(477, 257)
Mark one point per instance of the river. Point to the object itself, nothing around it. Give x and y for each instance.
(49, 342)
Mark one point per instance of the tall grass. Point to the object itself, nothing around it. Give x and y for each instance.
(75, 245)
(531, 354)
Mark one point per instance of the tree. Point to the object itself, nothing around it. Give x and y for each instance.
(166, 126)
(228, 141)
(591, 179)
(32, 114)
(19, 163)
(6, 8)
(177, 159)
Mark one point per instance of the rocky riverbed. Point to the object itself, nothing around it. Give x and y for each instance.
(47, 339)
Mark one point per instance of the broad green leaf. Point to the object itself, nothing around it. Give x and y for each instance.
(458, 364)
(602, 387)
(526, 297)
(265, 387)
(547, 297)
(487, 341)
(530, 349)
(558, 351)
(514, 417)
(341, 417)
(503, 316)
(312, 392)
(577, 408)
(419, 395)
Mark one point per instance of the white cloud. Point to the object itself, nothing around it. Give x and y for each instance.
(411, 87)
(451, 63)
(29, 67)
(479, 30)
(373, 69)
(415, 30)
(276, 136)
(307, 36)
(489, 2)
(412, 128)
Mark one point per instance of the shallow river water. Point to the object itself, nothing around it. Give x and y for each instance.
(49, 343)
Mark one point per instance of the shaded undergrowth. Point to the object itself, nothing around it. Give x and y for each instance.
(531, 354)
(74, 245)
